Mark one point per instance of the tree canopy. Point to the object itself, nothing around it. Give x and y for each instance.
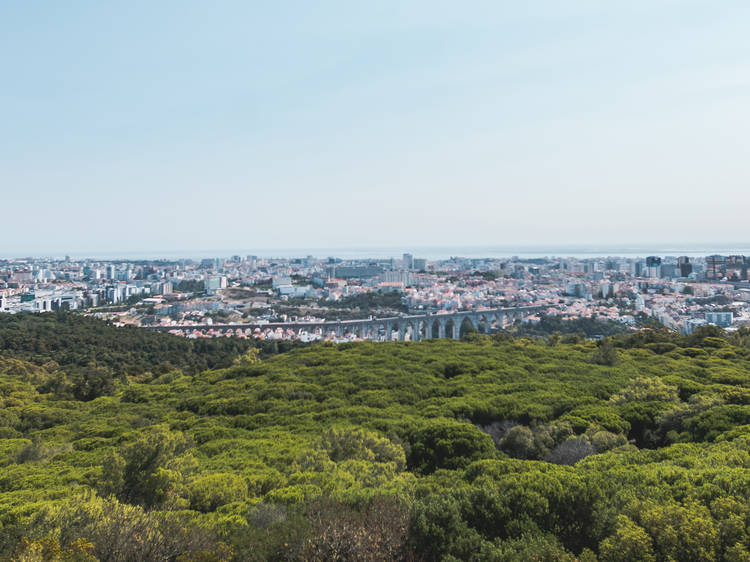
(493, 448)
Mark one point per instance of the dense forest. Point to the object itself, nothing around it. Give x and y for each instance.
(368, 303)
(499, 448)
(93, 355)
(585, 327)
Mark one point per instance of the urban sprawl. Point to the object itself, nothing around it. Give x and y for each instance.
(192, 298)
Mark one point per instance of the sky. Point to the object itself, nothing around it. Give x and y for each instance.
(186, 125)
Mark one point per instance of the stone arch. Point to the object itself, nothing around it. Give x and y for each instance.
(424, 328)
(387, 331)
(484, 323)
(365, 331)
(451, 327)
(496, 322)
(466, 325)
(512, 317)
(391, 327)
(404, 331)
(375, 331)
(411, 330)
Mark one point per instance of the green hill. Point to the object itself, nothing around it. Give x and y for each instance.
(637, 448)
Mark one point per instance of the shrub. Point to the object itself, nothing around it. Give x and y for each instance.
(448, 444)
(211, 491)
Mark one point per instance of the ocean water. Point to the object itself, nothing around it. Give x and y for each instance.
(427, 252)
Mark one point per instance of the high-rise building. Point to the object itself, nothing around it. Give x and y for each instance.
(408, 261)
(396, 276)
(716, 267)
(684, 265)
(653, 266)
(575, 289)
(213, 284)
(668, 270)
(113, 294)
(736, 268)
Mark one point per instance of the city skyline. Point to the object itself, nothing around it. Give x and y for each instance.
(428, 252)
(343, 298)
(172, 126)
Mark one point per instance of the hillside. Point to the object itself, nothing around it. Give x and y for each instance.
(491, 448)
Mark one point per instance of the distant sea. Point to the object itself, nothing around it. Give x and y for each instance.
(427, 252)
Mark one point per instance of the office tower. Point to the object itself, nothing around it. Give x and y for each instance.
(684, 265)
(716, 267)
(653, 266)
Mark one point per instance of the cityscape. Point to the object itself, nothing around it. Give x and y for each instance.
(200, 298)
(374, 281)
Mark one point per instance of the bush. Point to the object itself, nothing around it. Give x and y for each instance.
(359, 444)
(448, 444)
(148, 470)
(124, 532)
(209, 492)
(605, 354)
(377, 532)
(571, 451)
(629, 543)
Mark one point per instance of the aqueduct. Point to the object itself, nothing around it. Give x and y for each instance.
(415, 327)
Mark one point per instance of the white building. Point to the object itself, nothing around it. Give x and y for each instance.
(723, 319)
(213, 284)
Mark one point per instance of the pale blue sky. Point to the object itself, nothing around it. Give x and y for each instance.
(129, 126)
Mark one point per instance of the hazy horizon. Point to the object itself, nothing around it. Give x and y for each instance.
(427, 252)
(177, 125)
